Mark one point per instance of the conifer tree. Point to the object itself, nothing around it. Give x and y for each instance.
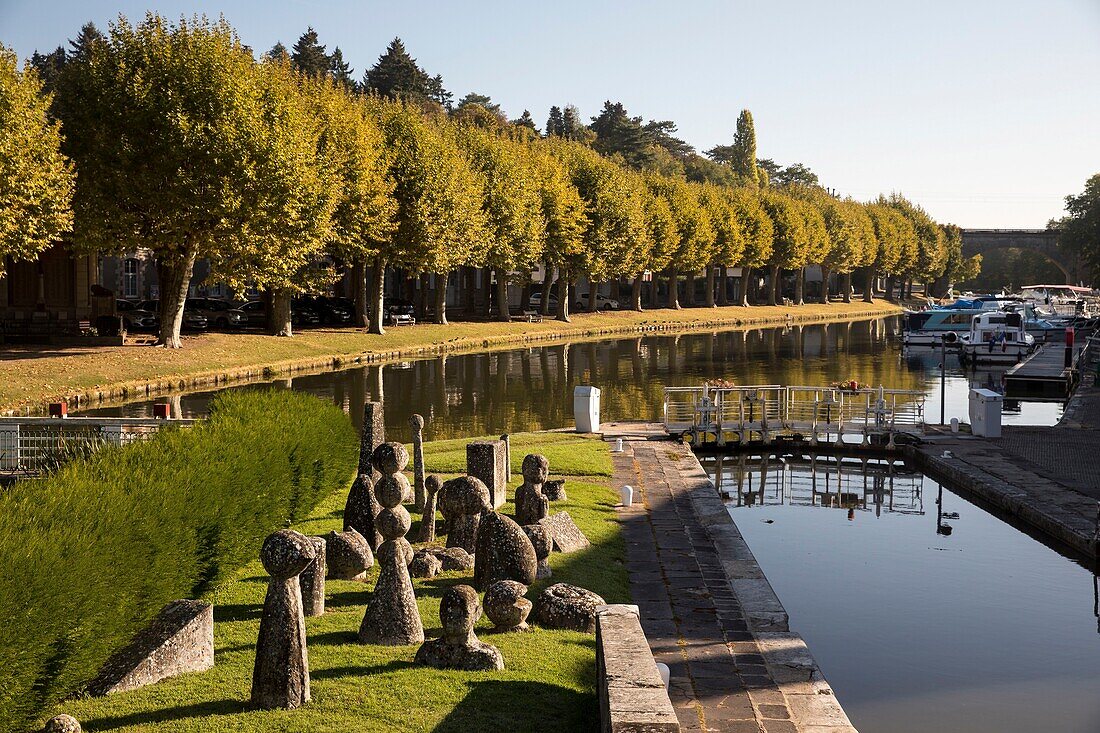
(555, 125)
(525, 120)
(309, 55)
(397, 75)
(340, 70)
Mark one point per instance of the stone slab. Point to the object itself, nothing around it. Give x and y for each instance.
(488, 460)
(567, 535)
(179, 639)
(632, 695)
(372, 435)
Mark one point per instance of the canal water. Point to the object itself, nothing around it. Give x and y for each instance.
(532, 388)
(924, 611)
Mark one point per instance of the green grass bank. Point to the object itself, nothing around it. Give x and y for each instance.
(89, 554)
(548, 683)
(32, 376)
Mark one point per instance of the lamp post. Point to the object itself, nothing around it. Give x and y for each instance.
(949, 337)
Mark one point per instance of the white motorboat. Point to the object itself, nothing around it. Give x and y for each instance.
(997, 338)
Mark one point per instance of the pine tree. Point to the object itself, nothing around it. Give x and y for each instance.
(525, 120)
(397, 75)
(555, 125)
(619, 133)
(571, 125)
(309, 55)
(339, 69)
(278, 52)
(79, 47)
(49, 67)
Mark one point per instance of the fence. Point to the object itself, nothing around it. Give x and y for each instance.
(30, 446)
(740, 414)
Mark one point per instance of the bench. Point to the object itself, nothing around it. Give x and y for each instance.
(529, 316)
(402, 319)
(633, 697)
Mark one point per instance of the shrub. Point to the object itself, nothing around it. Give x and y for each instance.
(89, 554)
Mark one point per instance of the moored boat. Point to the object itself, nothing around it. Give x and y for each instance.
(997, 338)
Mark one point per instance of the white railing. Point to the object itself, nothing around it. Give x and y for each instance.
(32, 445)
(741, 414)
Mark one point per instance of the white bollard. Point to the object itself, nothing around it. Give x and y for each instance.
(626, 493)
(665, 672)
(618, 446)
(954, 425)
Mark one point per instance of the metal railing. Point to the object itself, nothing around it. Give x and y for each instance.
(30, 446)
(741, 414)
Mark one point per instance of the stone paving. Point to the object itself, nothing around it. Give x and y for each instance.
(706, 609)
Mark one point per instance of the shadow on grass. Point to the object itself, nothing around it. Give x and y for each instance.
(334, 638)
(356, 671)
(349, 598)
(208, 709)
(237, 612)
(521, 705)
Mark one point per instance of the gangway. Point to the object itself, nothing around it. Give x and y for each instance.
(725, 415)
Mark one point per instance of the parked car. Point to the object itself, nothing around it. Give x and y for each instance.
(337, 311)
(399, 310)
(535, 302)
(255, 313)
(136, 318)
(193, 320)
(602, 303)
(219, 313)
(303, 314)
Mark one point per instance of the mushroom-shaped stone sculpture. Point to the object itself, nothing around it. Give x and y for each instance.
(462, 500)
(425, 565)
(543, 542)
(347, 555)
(460, 648)
(280, 678)
(62, 724)
(503, 552)
(506, 607)
(564, 606)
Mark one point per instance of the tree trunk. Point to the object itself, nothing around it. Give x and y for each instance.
(689, 289)
(421, 301)
(746, 285)
(359, 292)
(593, 293)
(825, 272)
(774, 291)
(710, 287)
(846, 283)
(613, 291)
(723, 284)
(563, 296)
(673, 293)
(799, 285)
(441, 297)
(636, 294)
(890, 288)
(377, 295)
(487, 290)
(469, 282)
(280, 313)
(174, 277)
(502, 298)
(869, 290)
(547, 283)
(654, 288)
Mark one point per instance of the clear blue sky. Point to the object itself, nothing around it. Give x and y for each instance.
(987, 112)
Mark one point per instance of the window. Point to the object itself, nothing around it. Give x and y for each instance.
(129, 278)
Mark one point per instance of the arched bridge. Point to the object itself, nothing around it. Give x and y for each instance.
(1042, 241)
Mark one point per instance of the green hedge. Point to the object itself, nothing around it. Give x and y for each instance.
(90, 554)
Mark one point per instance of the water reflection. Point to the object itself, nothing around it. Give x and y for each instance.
(531, 389)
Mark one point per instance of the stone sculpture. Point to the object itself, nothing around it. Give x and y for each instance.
(427, 516)
(568, 537)
(452, 558)
(531, 504)
(506, 439)
(485, 460)
(416, 422)
(460, 648)
(463, 500)
(179, 639)
(503, 552)
(62, 724)
(392, 617)
(361, 510)
(312, 580)
(425, 565)
(347, 555)
(543, 542)
(564, 606)
(554, 490)
(280, 678)
(372, 436)
(506, 607)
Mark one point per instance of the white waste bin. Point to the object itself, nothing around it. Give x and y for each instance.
(985, 412)
(586, 409)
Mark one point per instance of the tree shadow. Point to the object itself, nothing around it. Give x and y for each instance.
(334, 638)
(204, 710)
(237, 612)
(348, 599)
(521, 705)
(356, 671)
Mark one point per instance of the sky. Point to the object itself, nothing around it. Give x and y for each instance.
(985, 112)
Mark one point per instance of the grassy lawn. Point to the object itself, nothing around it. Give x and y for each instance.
(548, 683)
(32, 376)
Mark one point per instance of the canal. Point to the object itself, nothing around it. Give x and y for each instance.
(531, 388)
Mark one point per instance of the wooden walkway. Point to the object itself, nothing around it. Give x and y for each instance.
(707, 610)
(1044, 374)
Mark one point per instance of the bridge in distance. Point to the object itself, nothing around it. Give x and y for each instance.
(1041, 241)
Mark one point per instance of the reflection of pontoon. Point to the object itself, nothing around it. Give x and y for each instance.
(821, 481)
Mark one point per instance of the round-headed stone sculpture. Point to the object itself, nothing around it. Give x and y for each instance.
(432, 485)
(392, 617)
(564, 606)
(531, 504)
(460, 648)
(506, 607)
(425, 565)
(543, 542)
(347, 555)
(311, 581)
(416, 422)
(462, 501)
(280, 678)
(361, 509)
(503, 552)
(62, 724)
